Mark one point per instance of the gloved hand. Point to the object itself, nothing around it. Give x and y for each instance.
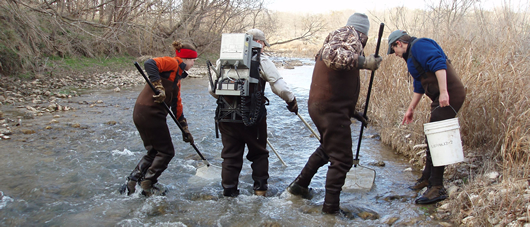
(360, 118)
(293, 106)
(371, 62)
(186, 135)
(162, 93)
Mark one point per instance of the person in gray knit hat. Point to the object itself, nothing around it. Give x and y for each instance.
(360, 22)
(332, 99)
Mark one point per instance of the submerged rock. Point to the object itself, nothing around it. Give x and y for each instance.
(111, 123)
(27, 131)
(362, 212)
(401, 198)
(5, 131)
(378, 163)
(311, 209)
(390, 220)
(294, 62)
(287, 66)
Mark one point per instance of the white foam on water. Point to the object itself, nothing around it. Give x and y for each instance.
(125, 152)
(170, 224)
(5, 200)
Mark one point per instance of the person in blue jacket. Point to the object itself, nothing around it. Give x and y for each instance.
(435, 77)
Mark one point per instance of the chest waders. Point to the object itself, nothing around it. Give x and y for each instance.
(456, 91)
(150, 120)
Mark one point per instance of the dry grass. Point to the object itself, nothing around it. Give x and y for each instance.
(495, 119)
(490, 50)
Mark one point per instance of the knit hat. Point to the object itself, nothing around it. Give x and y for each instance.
(186, 53)
(258, 35)
(393, 37)
(360, 22)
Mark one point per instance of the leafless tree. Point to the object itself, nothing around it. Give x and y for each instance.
(139, 27)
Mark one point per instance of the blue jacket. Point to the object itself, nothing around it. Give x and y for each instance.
(430, 56)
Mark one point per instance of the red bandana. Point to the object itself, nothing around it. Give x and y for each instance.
(186, 53)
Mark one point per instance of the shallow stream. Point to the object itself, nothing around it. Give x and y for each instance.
(69, 174)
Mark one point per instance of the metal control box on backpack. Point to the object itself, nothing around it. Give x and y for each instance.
(239, 64)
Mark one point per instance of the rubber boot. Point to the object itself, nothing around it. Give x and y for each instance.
(230, 192)
(296, 189)
(146, 185)
(420, 184)
(300, 186)
(432, 195)
(131, 186)
(159, 164)
(149, 189)
(141, 168)
(260, 187)
(331, 203)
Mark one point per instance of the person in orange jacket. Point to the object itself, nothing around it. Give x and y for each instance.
(149, 116)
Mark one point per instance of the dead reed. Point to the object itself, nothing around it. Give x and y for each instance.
(495, 119)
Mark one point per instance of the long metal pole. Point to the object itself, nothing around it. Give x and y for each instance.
(270, 145)
(169, 111)
(309, 127)
(356, 160)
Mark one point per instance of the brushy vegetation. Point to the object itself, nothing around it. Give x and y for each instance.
(491, 53)
(32, 32)
(489, 49)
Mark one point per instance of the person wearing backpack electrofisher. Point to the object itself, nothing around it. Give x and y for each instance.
(332, 99)
(150, 115)
(435, 77)
(240, 130)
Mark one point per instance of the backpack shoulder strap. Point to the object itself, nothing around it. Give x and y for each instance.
(417, 65)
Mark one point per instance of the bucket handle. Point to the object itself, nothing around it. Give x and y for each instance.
(442, 107)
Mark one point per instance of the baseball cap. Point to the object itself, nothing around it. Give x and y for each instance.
(393, 37)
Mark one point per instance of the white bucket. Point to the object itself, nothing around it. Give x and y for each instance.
(444, 142)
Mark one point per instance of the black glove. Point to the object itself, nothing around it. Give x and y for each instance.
(161, 92)
(360, 118)
(293, 106)
(186, 135)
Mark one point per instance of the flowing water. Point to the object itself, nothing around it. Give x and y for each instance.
(69, 174)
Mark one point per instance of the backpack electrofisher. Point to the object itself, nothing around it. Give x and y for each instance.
(238, 51)
(239, 88)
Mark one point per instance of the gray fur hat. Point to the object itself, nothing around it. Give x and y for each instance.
(360, 22)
